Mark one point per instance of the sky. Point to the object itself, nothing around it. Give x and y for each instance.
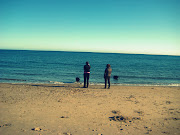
(115, 26)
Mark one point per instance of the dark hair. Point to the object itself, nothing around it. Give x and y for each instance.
(108, 65)
(87, 62)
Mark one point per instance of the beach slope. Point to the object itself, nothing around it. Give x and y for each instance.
(69, 109)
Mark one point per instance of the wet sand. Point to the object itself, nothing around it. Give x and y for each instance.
(69, 109)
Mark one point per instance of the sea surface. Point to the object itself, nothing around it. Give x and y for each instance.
(57, 67)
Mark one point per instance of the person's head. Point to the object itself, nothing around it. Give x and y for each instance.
(87, 63)
(108, 65)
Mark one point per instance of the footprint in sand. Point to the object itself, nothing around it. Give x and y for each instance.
(141, 113)
(168, 102)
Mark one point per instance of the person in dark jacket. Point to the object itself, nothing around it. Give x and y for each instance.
(107, 75)
(86, 74)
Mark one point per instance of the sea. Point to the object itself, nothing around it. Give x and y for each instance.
(59, 67)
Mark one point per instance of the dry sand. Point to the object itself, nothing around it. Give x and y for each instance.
(44, 109)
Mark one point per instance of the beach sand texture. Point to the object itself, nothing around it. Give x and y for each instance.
(69, 109)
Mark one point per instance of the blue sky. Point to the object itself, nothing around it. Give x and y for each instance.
(118, 26)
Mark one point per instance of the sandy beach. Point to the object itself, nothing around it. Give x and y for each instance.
(69, 109)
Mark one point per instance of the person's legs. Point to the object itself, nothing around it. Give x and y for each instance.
(88, 80)
(84, 80)
(105, 81)
(109, 81)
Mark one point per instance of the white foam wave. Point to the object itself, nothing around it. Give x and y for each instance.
(54, 82)
(177, 85)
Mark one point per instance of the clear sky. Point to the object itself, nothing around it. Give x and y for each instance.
(120, 26)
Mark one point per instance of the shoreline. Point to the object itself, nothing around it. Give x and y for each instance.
(99, 84)
(70, 109)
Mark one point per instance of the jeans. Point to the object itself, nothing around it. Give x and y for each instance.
(86, 78)
(107, 78)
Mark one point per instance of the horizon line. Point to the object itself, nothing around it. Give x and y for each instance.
(88, 52)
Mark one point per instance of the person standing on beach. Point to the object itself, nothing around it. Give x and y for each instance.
(86, 74)
(107, 75)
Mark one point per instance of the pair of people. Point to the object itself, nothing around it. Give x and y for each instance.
(107, 74)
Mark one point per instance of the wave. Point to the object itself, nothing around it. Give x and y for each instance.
(143, 77)
(126, 84)
(55, 82)
(173, 84)
(91, 83)
(8, 79)
(26, 74)
(118, 84)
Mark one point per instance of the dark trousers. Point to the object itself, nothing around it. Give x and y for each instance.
(86, 79)
(107, 78)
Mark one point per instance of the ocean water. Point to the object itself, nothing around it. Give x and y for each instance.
(17, 66)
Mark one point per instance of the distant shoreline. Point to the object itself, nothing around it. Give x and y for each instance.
(94, 84)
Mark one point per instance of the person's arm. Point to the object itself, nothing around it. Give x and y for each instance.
(105, 73)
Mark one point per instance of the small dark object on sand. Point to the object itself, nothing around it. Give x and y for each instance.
(77, 79)
(117, 118)
(115, 77)
(36, 129)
